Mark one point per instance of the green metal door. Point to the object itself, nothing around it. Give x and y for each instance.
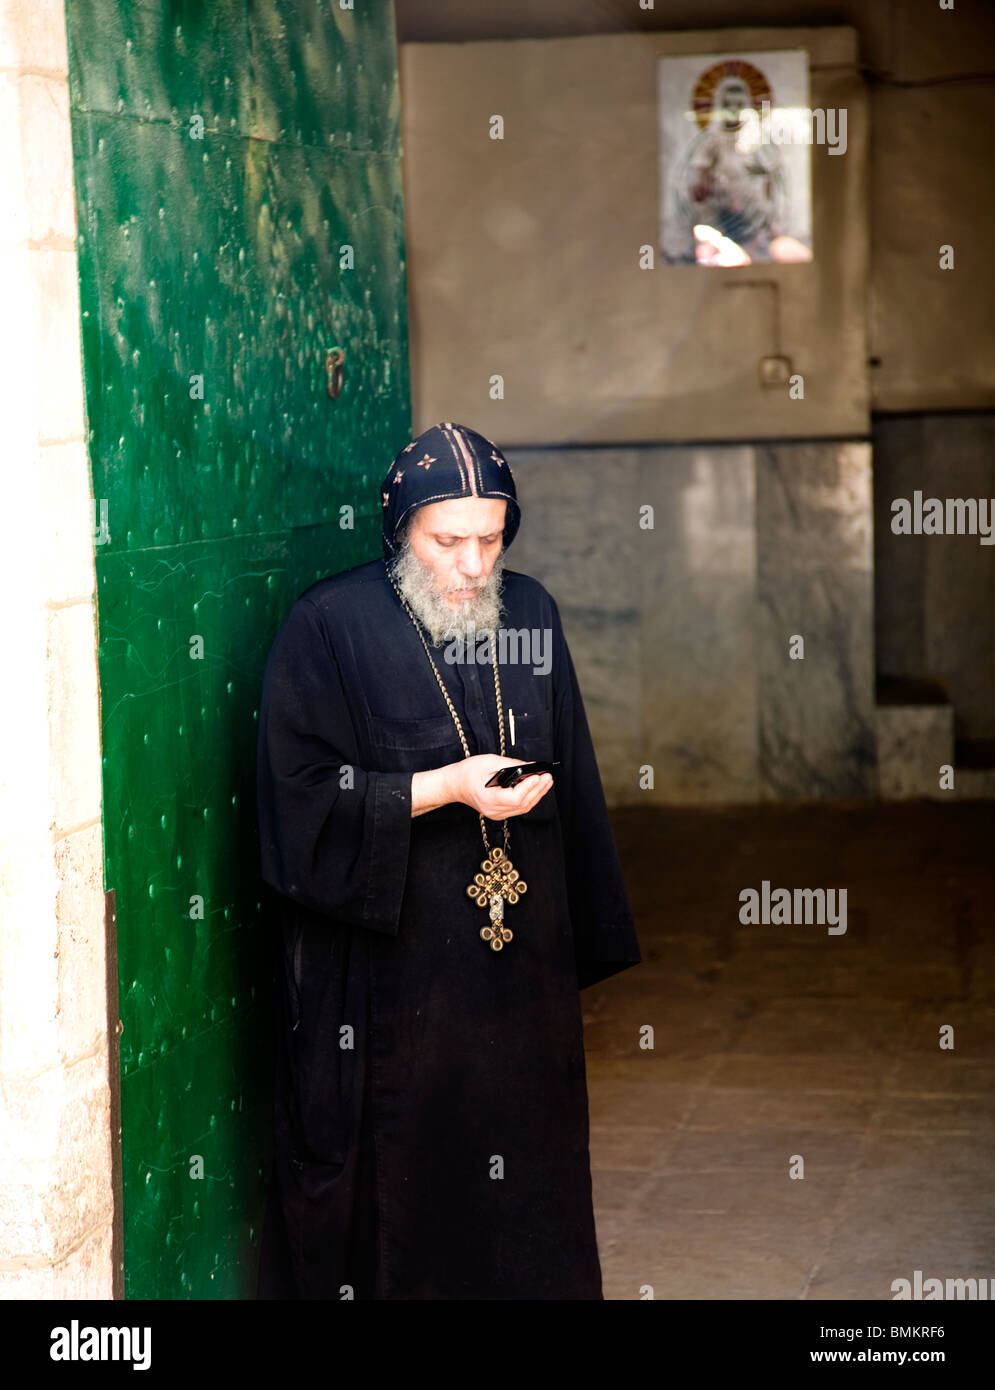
(237, 173)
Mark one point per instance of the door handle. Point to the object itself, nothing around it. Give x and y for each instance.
(334, 357)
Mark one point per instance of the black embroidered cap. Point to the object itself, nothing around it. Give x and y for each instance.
(445, 462)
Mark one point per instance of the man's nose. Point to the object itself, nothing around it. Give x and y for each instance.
(472, 560)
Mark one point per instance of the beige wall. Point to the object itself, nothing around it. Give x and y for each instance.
(932, 331)
(524, 253)
(930, 334)
(521, 259)
(56, 1189)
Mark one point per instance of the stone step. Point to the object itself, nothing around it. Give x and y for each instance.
(974, 775)
(914, 742)
(915, 734)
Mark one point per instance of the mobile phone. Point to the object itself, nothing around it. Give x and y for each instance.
(511, 776)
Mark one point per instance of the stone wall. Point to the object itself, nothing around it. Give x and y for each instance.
(682, 634)
(56, 1187)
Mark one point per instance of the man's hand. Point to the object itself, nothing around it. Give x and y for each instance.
(465, 782)
(469, 780)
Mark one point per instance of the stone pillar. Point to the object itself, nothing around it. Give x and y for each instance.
(56, 1171)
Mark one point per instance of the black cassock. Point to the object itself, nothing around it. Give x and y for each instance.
(444, 1154)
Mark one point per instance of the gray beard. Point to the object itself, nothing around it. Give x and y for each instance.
(440, 618)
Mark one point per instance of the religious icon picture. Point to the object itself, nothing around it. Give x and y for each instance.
(735, 158)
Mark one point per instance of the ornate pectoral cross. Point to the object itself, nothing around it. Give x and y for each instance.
(499, 880)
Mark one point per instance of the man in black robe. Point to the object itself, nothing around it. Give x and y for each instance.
(431, 1104)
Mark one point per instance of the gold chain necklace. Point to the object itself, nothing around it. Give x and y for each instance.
(498, 878)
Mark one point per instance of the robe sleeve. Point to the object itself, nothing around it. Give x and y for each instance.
(605, 941)
(337, 849)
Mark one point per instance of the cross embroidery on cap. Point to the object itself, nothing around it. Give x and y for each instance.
(426, 462)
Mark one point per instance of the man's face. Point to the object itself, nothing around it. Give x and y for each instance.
(734, 97)
(459, 541)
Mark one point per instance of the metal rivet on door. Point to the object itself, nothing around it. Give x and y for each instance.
(334, 358)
